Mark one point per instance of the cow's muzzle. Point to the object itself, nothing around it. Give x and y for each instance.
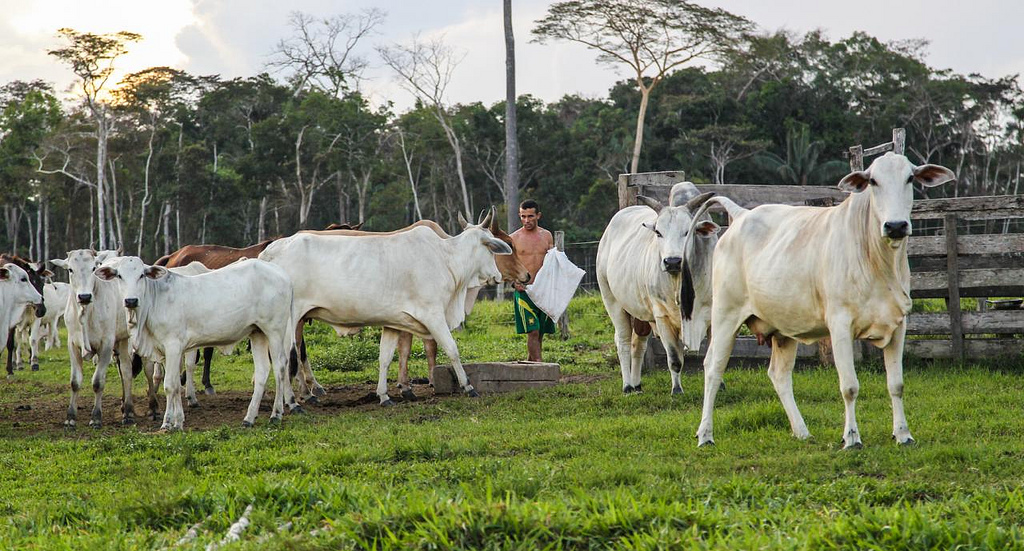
(40, 310)
(131, 303)
(673, 264)
(896, 230)
(85, 298)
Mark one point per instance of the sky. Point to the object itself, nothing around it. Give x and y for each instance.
(234, 38)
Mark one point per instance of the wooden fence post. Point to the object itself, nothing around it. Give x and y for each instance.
(953, 285)
(563, 322)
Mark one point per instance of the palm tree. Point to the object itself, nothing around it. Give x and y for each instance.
(800, 167)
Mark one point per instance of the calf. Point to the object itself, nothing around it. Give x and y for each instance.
(32, 330)
(169, 314)
(799, 274)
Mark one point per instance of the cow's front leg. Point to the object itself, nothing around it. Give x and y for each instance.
(780, 371)
(261, 370)
(849, 387)
(174, 414)
(10, 353)
(35, 337)
(723, 335)
(99, 380)
(388, 341)
(75, 355)
(190, 378)
(124, 364)
(152, 383)
(207, 359)
(623, 335)
(306, 373)
(674, 352)
(893, 354)
(439, 331)
(404, 351)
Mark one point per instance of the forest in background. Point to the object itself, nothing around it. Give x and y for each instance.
(202, 159)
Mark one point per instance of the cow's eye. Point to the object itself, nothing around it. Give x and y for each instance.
(873, 182)
(658, 233)
(910, 178)
(70, 271)
(24, 279)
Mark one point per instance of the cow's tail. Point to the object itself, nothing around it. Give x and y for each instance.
(731, 208)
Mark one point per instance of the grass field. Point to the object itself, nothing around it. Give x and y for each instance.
(578, 466)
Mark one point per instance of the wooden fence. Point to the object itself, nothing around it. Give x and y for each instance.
(958, 250)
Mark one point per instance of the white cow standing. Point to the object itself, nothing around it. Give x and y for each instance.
(32, 331)
(799, 274)
(169, 314)
(97, 329)
(654, 265)
(16, 295)
(413, 281)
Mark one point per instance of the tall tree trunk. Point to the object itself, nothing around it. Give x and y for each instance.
(167, 228)
(453, 140)
(177, 226)
(101, 164)
(645, 95)
(31, 238)
(39, 232)
(92, 222)
(261, 227)
(145, 191)
(511, 124)
(46, 229)
(408, 169)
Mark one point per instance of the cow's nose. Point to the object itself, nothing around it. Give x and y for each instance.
(131, 302)
(85, 298)
(40, 310)
(673, 263)
(896, 230)
(525, 279)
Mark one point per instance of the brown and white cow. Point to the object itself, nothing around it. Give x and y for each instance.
(37, 275)
(797, 274)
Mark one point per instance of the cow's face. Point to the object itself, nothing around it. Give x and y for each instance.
(132, 276)
(19, 289)
(672, 230)
(37, 276)
(484, 255)
(510, 266)
(81, 264)
(890, 181)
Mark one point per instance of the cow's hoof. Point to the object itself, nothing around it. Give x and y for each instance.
(638, 388)
(297, 410)
(69, 424)
(319, 391)
(677, 390)
(210, 391)
(721, 386)
(313, 400)
(908, 442)
(387, 403)
(246, 425)
(35, 367)
(854, 446)
(473, 393)
(706, 443)
(96, 424)
(128, 421)
(193, 404)
(628, 389)
(275, 421)
(408, 394)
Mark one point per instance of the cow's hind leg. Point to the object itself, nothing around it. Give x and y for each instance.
(124, 366)
(174, 414)
(190, 378)
(439, 331)
(404, 350)
(893, 354)
(724, 324)
(99, 380)
(849, 387)
(780, 371)
(207, 359)
(674, 352)
(623, 336)
(75, 355)
(261, 370)
(35, 337)
(388, 342)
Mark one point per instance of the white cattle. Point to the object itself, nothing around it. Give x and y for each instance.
(413, 281)
(654, 265)
(169, 314)
(799, 274)
(32, 330)
(96, 329)
(16, 295)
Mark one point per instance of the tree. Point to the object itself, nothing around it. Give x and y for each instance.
(801, 167)
(511, 139)
(91, 57)
(425, 69)
(652, 37)
(321, 53)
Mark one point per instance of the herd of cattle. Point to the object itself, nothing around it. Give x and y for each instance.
(791, 274)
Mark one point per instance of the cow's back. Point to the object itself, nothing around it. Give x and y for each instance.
(627, 260)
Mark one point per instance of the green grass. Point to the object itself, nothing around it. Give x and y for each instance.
(578, 466)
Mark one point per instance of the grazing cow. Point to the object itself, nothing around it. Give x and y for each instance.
(511, 269)
(37, 276)
(96, 328)
(31, 330)
(413, 281)
(654, 265)
(16, 293)
(169, 314)
(800, 274)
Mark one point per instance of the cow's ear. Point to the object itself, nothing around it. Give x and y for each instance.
(855, 182)
(46, 273)
(5, 274)
(707, 228)
(35, 266)
(653, 203)
(497, 246)
(106, 273)
(60, 262)
(155, 272)
(933, 175)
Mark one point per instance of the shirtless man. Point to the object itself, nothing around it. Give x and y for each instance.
(532, 243)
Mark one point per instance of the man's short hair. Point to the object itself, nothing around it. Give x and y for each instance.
(530, 204)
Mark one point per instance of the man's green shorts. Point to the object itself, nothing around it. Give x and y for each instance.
(529, 318)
